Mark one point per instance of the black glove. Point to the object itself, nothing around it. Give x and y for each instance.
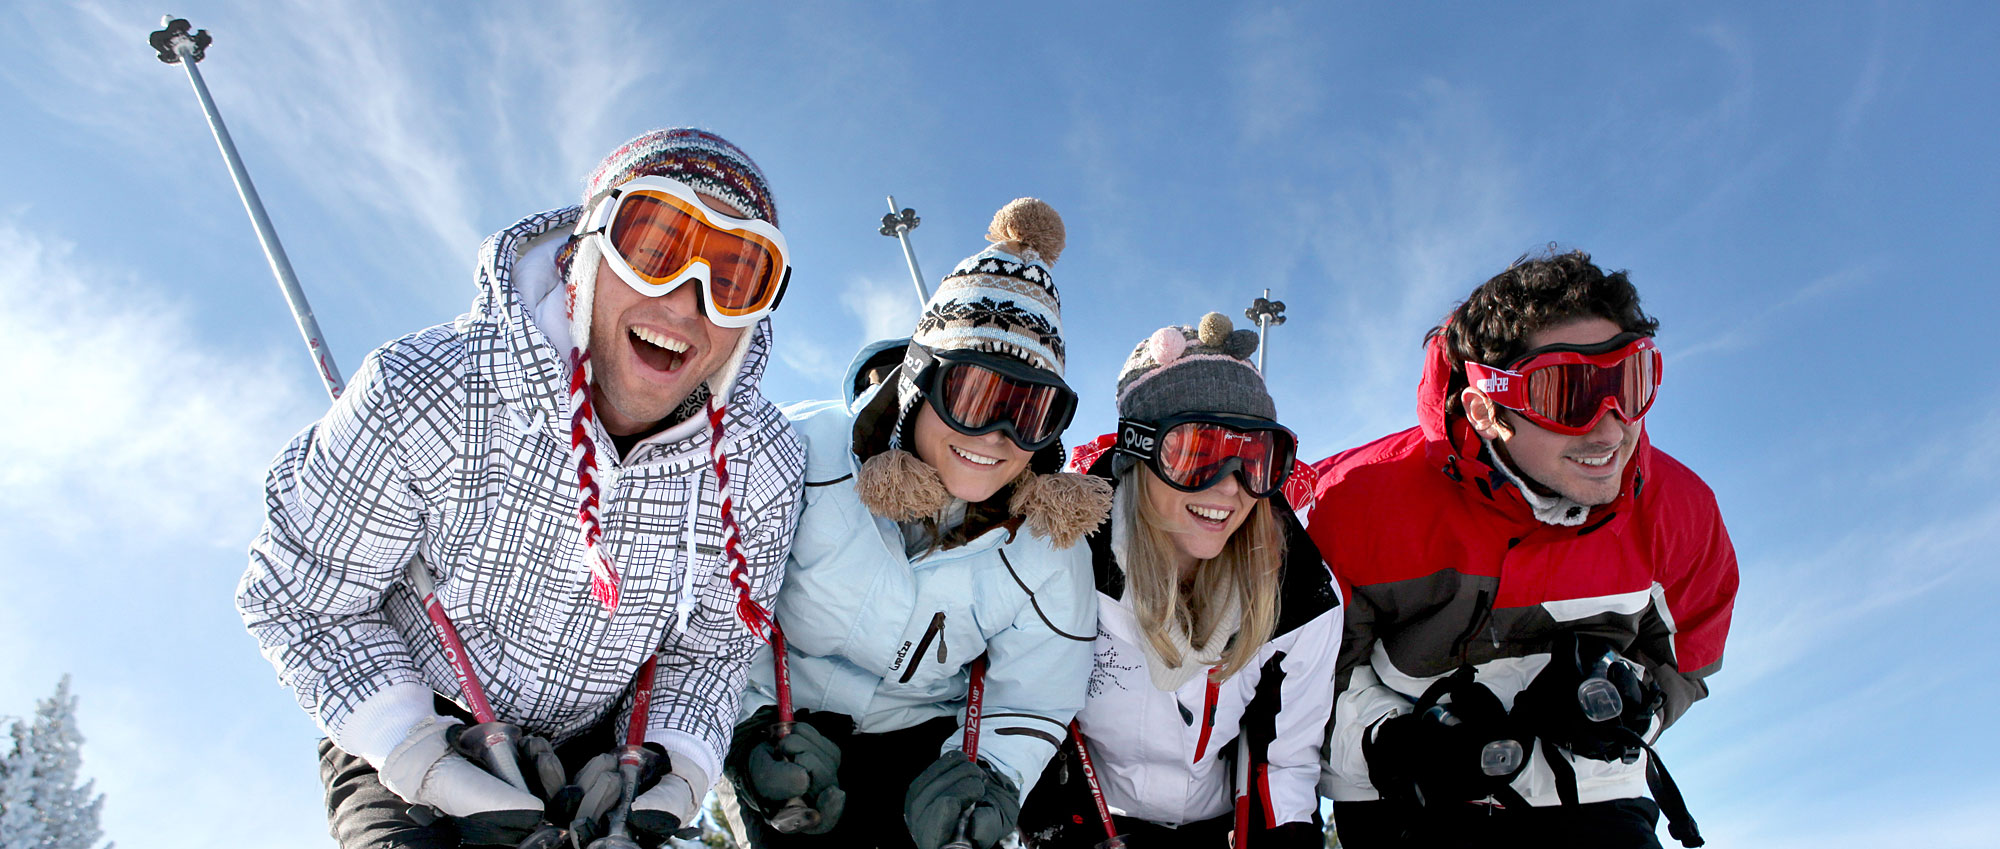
(940, 796)
(1457, 745)
(772, 773)
(1584, 672)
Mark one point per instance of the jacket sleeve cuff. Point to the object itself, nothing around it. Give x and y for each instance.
(691, 759)
(380, 722)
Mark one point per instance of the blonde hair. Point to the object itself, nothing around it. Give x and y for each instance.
(1249, 564)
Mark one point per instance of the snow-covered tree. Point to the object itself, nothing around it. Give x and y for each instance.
(41, 805)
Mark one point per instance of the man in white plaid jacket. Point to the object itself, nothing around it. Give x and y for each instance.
(576, 464)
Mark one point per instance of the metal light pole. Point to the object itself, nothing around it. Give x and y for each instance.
(899, 224)
(177, 45)
(1268, 314)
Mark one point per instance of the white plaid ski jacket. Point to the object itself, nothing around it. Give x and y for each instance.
(453, 444)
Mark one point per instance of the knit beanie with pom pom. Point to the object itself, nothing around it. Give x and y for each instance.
(1205, 368)
(1001, 301)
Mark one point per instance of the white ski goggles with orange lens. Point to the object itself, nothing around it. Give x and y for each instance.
(657, 234)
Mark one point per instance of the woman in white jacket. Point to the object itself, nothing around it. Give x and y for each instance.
(1218, 623)
(938, 531)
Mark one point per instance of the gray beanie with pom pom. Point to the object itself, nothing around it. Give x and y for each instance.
(1194, 369)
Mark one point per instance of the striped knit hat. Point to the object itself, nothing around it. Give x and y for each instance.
(1000, 301)
(709, 164)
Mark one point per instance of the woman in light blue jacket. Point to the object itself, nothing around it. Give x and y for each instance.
(937, 532)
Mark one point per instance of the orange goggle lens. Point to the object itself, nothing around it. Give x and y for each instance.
(658, 236)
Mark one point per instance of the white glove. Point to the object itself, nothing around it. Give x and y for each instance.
(424, 770)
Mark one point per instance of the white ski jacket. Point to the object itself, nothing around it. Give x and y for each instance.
(452, 444)
(1160, 755)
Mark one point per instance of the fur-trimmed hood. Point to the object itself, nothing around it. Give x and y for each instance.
(1058, 506)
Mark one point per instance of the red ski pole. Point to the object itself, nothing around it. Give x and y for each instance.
(794, 815)
(975, 692)
(491, 742)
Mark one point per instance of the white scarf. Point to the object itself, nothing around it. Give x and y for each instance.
(1229, 613)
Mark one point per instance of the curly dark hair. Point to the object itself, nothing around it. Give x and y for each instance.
(1536, 292)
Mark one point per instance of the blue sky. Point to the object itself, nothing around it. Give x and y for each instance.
(1806, 200)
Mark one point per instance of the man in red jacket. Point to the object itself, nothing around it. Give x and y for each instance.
(1534, 590)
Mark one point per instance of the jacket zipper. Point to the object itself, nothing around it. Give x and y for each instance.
(1207, 713)
(1483, 611)
(924, 645)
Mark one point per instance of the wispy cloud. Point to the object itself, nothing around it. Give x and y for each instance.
(1804, 601)
(886, 308)
(1274, 79)
(139, 423)
(1399, 224)
(1751, 329)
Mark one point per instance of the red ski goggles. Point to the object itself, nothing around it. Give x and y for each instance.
(976, 392)
(1569, 388)
(1193, 452)
(658, 234)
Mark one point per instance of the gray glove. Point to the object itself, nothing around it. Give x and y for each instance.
(425, 769)
(939, 797)
(803, 765)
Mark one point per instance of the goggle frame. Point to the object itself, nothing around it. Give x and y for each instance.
(1510, 387)
(1145, 441)
(932, 379)
(602, 212)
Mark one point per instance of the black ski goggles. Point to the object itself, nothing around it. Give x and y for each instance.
(976, 392)
(1194, 451)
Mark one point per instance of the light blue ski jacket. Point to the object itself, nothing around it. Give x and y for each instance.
(889, 640)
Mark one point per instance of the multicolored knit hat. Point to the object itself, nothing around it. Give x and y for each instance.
(1204, 369)
(707, 163)
(1001, 301)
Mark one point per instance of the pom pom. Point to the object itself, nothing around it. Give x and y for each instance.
(898, 486)
(1215, 329)
(1241, 344)
(1061, 508)
(1166, 345)
(1032, 224)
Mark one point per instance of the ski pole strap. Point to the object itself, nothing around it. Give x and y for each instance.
(974, 692)
(1680, 823)
(1090, 777)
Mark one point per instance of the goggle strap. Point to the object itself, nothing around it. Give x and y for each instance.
(1137, 439)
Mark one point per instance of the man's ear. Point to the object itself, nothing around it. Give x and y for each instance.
(1484, 415)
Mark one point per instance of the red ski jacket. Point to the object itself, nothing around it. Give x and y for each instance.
(1443, 562)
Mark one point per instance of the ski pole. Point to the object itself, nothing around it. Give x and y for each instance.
(176, 45)
(794, 815)
(633, 760)
(491, 742)
(899, 224)
(975, 692)
(1268, 314)
(1112, 839)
